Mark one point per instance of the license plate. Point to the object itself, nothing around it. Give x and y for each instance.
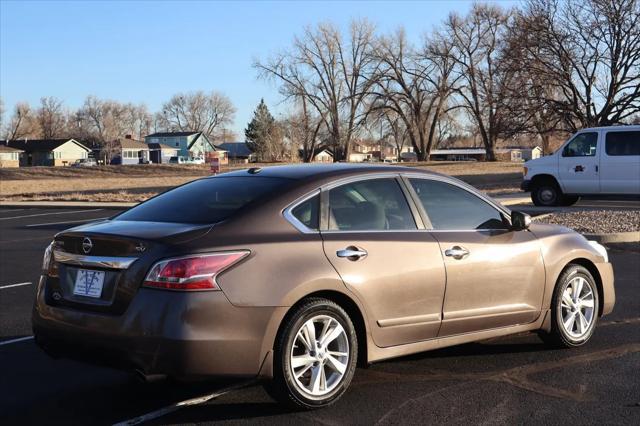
(89, 283)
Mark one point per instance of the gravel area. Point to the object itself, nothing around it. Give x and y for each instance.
(596, 221)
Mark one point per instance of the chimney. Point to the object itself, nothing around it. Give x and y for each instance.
(127, 136)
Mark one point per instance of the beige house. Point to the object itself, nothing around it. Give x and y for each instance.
(323, 156)
(9, 157)
(50, 152)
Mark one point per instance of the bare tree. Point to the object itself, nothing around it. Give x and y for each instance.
(588, 52)
(414, 85)
(198, 112)
(303, 129)
(22, 123)
(476, 41)
(51, 118)
(331, 74)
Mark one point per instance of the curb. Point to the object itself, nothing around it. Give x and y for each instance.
(619, 237)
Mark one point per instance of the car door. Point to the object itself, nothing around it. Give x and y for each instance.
(495, 276)
(578, 165)
(370, 237)
(620, 163)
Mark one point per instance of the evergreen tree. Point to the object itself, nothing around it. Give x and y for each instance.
(263, 135)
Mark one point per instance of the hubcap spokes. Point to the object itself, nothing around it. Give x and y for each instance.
(577, 307)
(320, 355)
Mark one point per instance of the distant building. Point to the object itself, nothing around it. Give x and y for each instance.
(9, 157)
(189, 144)
(130, 151)
(161, 153)
(238, 152)
(50, 152)
(480, 154)
(321, 155)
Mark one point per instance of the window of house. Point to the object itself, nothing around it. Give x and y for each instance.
(369, 205)
(583, 145)
(450, 207)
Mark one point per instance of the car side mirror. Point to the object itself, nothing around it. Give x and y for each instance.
(520, 221)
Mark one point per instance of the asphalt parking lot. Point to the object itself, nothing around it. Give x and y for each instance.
(507, 380)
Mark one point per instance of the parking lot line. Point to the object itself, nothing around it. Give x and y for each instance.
(68, 221)
(186, 403)
(48, 214)
(19, 339)
(15, 285)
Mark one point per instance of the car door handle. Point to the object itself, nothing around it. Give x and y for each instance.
(457, 252)
(352, 253)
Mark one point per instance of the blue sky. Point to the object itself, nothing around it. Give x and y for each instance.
(145, 51)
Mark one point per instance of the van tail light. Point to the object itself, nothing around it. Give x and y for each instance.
(197, 272)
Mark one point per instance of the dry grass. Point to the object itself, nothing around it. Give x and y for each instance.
(136, 183)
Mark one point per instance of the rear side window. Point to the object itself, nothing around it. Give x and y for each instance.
(307, 212)
(623, 143)
(204, 201)
(369, 205)
(452, 208)
(582, 145)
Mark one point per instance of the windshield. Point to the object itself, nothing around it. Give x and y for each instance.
(204, 201)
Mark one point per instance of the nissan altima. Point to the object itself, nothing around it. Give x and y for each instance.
(297, 274)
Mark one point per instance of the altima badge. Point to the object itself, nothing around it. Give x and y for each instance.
(87, 245)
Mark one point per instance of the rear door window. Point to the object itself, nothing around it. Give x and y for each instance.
(369, 205)
(205, 201)
(622, 143)
(307, 213)
(450, 207)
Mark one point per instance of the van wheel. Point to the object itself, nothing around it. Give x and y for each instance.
(315, 356)
(574, 309)
(546, 194)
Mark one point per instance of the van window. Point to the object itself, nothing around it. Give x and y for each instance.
(583, 145)
(623, 143)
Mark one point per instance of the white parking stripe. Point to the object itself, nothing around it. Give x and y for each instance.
(178, 405)
(68, 221)
(47, 214)
(15, 285)
(20, 339)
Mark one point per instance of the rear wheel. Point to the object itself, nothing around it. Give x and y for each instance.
(315, 356)
(574, 308)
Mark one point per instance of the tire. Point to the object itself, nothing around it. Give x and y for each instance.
(546, 194)
(567, 328)
(315, 362)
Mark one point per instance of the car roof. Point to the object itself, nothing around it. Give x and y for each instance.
(620, 127)
(322, 171)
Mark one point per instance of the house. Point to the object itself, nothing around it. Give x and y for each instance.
(161, 153)
(9, 157)
(50, 152)
(238, 152)
(524, 154)
(480, 154)
(321, 155)
(189, 144)
(129, 151)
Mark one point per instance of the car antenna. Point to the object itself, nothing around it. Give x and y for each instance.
(254, 170)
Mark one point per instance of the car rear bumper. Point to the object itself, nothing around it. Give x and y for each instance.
(180, 334)
(608, 290)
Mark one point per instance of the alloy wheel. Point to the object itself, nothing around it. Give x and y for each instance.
(577, 307)
(319, 355)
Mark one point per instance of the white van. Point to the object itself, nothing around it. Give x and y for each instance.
(600, 160)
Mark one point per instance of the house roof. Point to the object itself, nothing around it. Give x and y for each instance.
(162, 146)
(236, 149)
(4, 148)
(39, 145)
(170, 134)
(132, 144)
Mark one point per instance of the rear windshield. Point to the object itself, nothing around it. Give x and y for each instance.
(204, 201)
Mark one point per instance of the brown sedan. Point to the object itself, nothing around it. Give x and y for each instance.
(297, 273)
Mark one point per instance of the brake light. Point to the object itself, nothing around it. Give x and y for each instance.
(196, 272)
(49, 264)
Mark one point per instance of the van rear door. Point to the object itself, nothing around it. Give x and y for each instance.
(620, 163)
(578, 164)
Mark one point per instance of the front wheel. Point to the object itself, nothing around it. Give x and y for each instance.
(315, 355)
(546, 194)
(574, 308)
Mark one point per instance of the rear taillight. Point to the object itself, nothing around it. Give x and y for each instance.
(197, 272)
(49, 265)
